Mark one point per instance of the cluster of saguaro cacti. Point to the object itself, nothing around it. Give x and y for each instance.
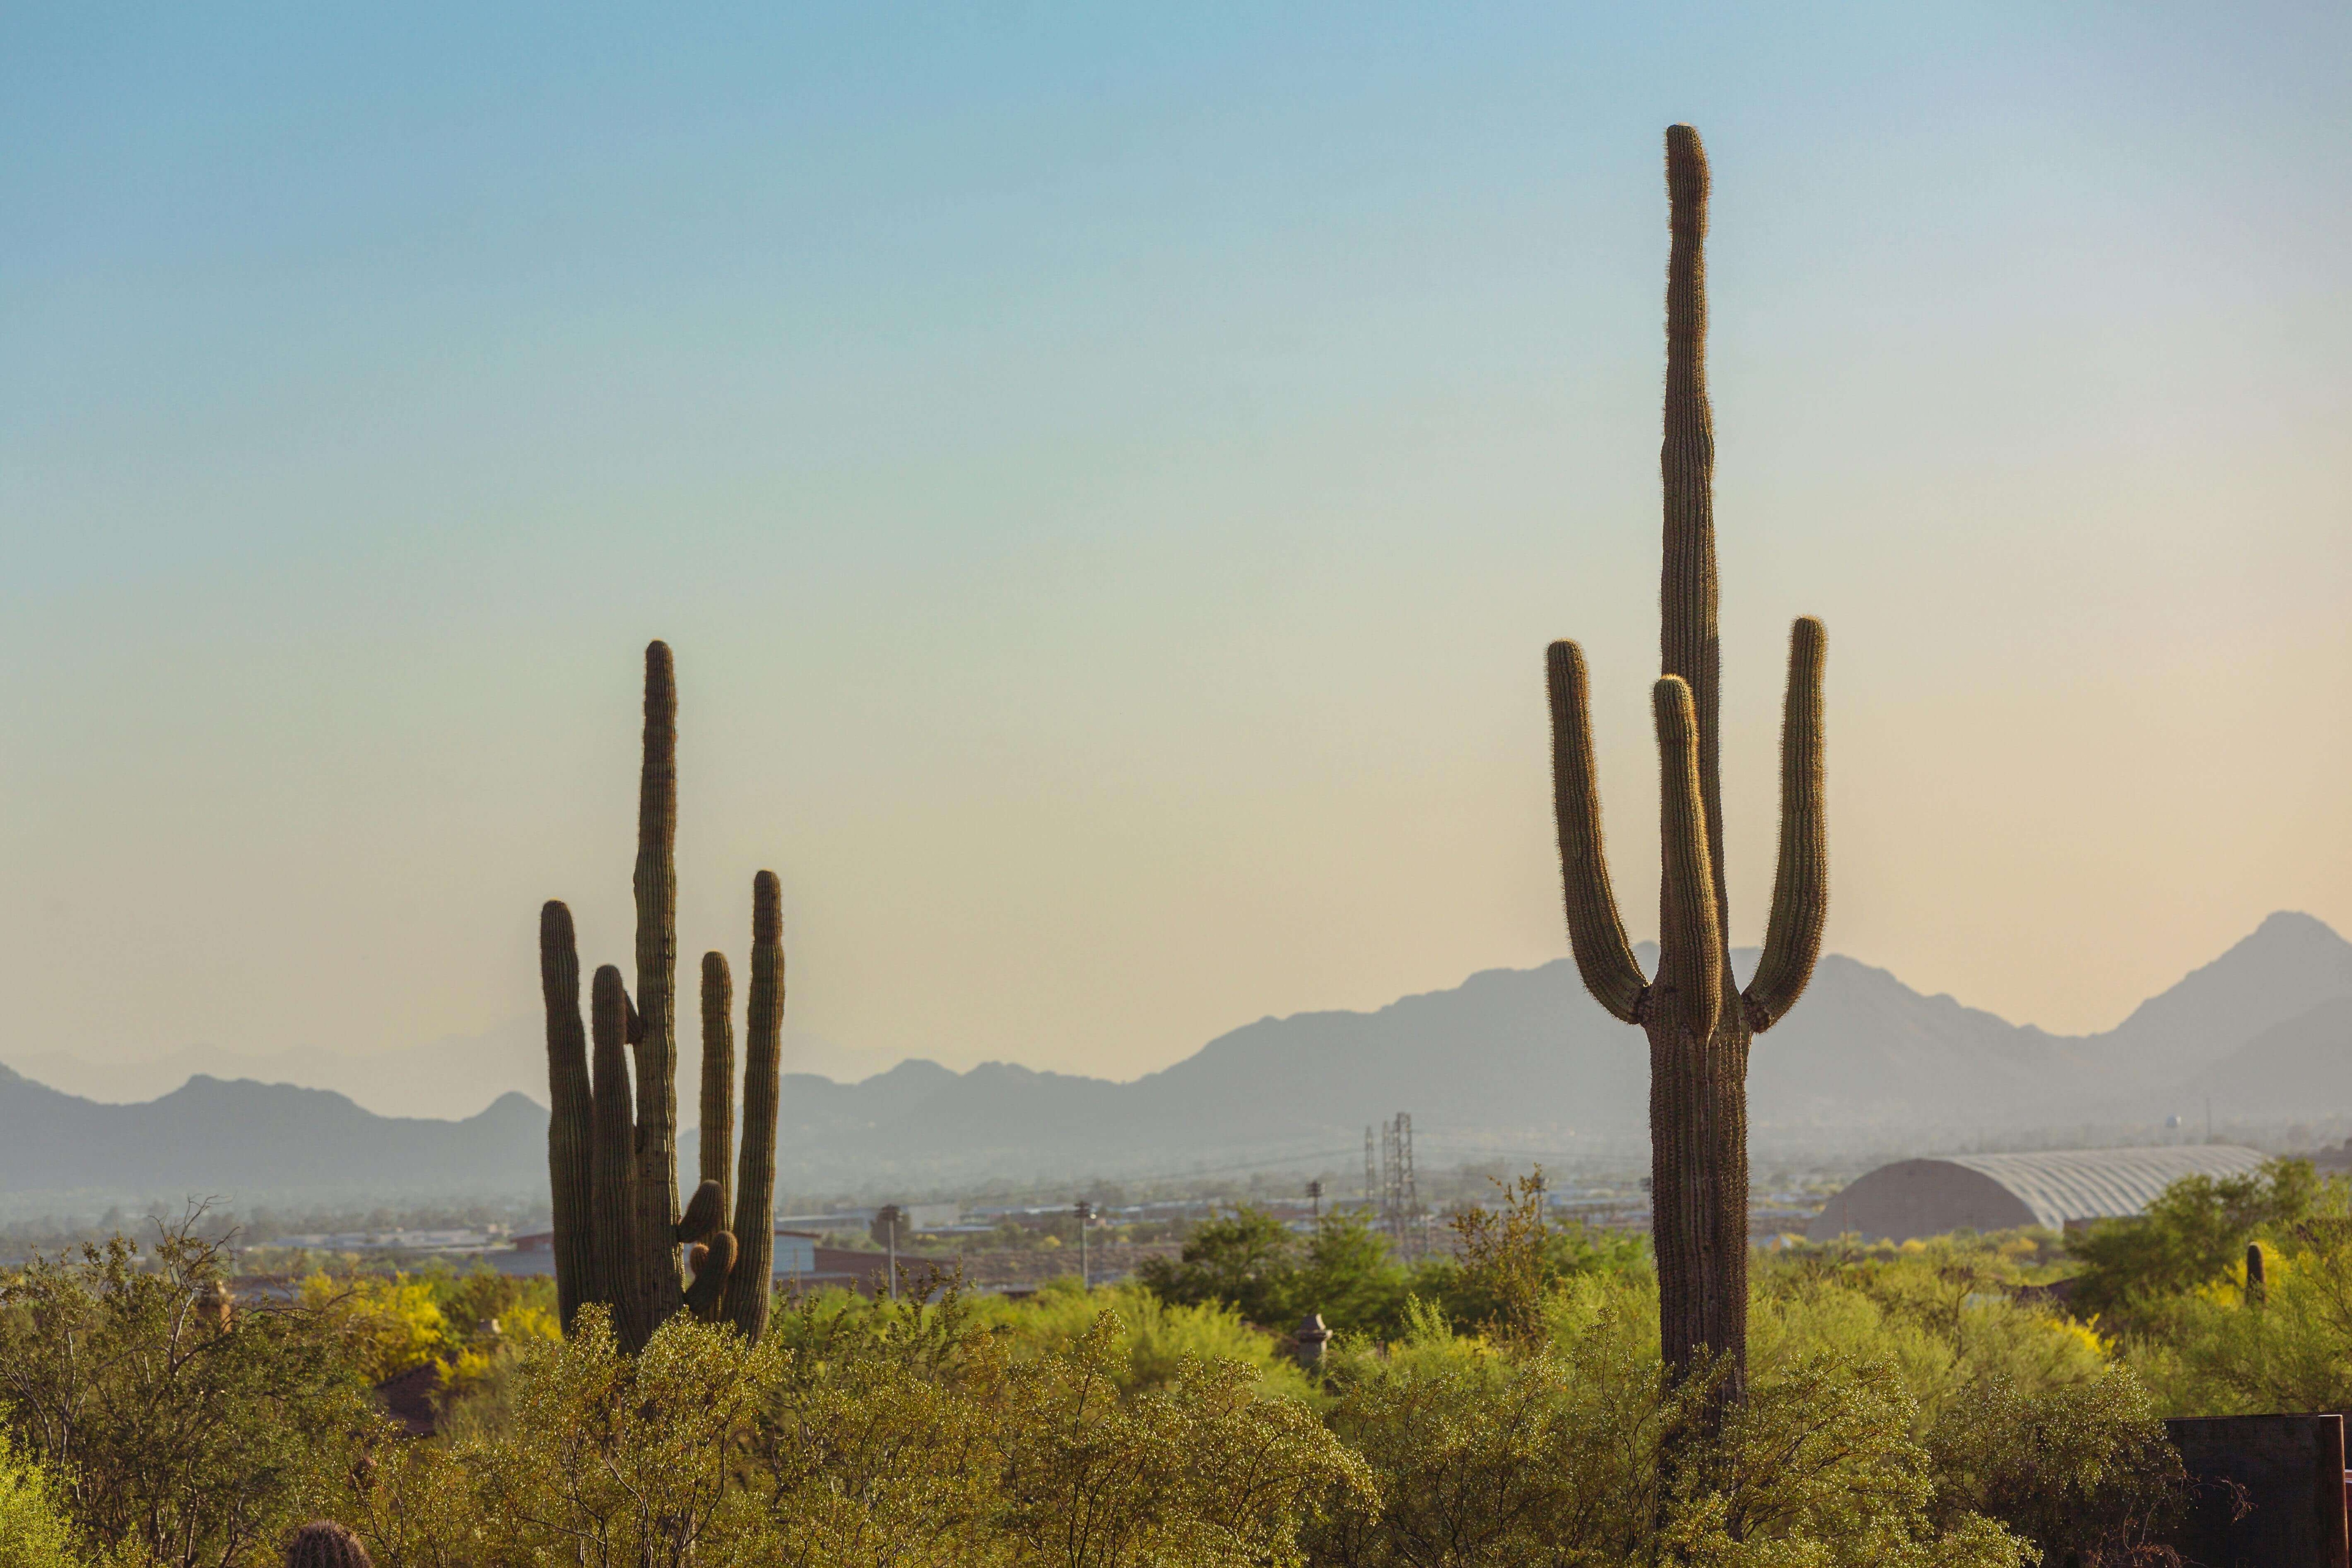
(1698, 1020)
(612, 1145)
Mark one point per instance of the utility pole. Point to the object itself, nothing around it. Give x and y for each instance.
(1315, 1196)
(1085, 1211)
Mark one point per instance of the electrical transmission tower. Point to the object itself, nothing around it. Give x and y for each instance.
(1371, 1172)
(1400, 1200)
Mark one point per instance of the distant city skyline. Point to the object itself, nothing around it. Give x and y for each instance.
(1110, 481)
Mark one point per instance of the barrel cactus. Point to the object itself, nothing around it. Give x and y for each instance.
(1699, 1021)
(324, 1543)
(611, 1139)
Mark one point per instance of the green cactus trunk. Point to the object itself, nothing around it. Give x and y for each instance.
(746, 1304)
(717, 1120)
(611, 1222)
(613, 1144)
(1700, 1025)
(571, 1159)
(660, 1286)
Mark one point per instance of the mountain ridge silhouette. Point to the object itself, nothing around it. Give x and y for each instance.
(1516, 1060)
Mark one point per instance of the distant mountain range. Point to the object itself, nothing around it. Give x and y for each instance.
(451, 1076)
(212, 1137)
(1511, 1062)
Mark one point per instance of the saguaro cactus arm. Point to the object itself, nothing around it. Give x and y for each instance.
(704, 1214)
(1801, 887)
(656, 883)
(1688, 643)
(714, 1265)
(571, 1120)
(747, 1285)
(1690, 929)
(1595, 932)
(717, 1120)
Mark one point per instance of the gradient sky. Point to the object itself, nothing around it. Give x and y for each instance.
(1109, 475)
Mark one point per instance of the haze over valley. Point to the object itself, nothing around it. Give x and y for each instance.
(1512, 1063)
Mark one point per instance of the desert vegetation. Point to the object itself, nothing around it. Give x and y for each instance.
(1511, 1404)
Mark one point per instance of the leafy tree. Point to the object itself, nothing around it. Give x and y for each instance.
(175, 1438)
(2193, 1233)
(1248, 1260)
(1350, 1277)
(1509, 1261)
(2221, 1350)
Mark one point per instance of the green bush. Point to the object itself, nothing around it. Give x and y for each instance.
(2083, 1470)
(33, 1530)
(1581, 1453)
(900, 1437)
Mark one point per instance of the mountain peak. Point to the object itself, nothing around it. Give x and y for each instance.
(2287, 966)
(2293, 924)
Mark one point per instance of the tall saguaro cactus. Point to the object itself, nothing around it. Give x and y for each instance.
(612, 1144)
(1700, 1023)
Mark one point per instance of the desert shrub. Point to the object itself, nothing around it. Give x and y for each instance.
(901, 1436)
(1946, 1317)
(2028, 1418)
(389, 1322)
(396, 1322)
(172, 1440)
(34, 1530)
(1583, 1453)
(1508, 1261)
(1156, 1335)
(2083, 1470)
(609, 1460)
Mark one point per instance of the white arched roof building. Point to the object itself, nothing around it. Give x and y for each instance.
(2000, 1192)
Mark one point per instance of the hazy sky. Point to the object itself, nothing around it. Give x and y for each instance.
(1109, 475)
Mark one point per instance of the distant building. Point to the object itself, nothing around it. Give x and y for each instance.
(2002, 1192)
